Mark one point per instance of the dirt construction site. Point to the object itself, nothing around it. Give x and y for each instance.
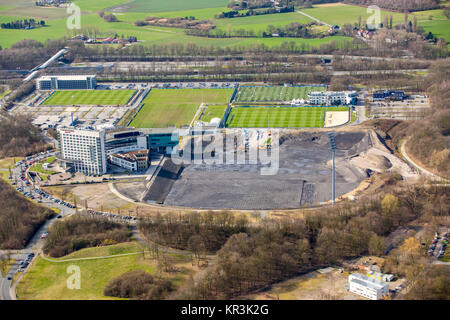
(303, 178)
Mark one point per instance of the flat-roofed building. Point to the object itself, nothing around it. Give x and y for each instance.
(370, 288)
(82, 150)
(332, 97)
(124, 140)
(162, 140)
(73, 82)
(132, 161)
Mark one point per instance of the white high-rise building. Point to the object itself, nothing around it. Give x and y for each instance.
(83, 150)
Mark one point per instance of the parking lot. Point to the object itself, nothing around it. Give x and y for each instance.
(438, 245)
(415, 108)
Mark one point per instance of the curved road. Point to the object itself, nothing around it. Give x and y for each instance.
(419, 168)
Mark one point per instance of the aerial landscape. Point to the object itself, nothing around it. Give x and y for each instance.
(224, 150)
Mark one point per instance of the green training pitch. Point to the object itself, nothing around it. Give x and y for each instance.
(176, 107)
(89, 97)
(273, 94)
(213, 111)
(279, 117)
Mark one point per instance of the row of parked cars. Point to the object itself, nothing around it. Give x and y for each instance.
(55, 200)
(24, 264)
(110, 215)
(435, 242)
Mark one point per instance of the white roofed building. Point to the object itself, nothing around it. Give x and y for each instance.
(370, 288)
(73, 82)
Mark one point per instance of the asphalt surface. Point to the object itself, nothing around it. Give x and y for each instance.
(36, 243)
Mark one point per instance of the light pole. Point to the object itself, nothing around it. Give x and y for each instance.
(333, 147)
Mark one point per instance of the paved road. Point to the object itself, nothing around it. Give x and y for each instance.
(419, 168)
(35, 244)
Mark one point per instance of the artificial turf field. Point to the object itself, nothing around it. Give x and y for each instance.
(89, 97)
(279, 117)
(176, 107)
(274, 93)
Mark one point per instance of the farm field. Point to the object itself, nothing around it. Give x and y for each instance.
(47, 280)
(262, 22)
(265, 94)
(340, 14)
(173, 5)
(89, 97)
(279, 117)
(176, 107)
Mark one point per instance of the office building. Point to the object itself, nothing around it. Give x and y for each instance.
(124, 140)
(333, 97)
(370, 288)
(75, 82)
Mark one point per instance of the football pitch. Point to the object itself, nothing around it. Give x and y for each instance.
(279, 117)
(89, 97)
(275, 93)
(176, 107)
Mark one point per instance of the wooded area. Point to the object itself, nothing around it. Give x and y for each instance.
(19, 218)
(80, 232)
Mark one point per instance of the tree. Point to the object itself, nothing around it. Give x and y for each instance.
(377, 245)
(389, 206)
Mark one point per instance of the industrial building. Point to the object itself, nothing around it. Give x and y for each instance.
(132, 161)
(82, 150)
(367, 287)
(333, 97)
(74, 82)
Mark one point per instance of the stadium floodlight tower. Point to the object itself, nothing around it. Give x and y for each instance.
(333, 147)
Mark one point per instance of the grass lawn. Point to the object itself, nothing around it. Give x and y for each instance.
(279, 117)
(340, 14)
(263, 94)
(176, 107)
(262, 22)
(48, 280)
(213, 111)
(174, 5)
(5, 163)
(89, 97)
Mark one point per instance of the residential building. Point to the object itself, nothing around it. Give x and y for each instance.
(367, 287)
(332, 97)
(73, 82)
(132, 161)
(82, 150)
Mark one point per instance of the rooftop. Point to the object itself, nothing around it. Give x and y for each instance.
(366, 281)
(67, 77)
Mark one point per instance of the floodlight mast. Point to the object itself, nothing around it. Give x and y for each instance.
(333, 147)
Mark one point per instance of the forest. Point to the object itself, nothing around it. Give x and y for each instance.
(18, 137)
(78, 232)
(19, 218)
